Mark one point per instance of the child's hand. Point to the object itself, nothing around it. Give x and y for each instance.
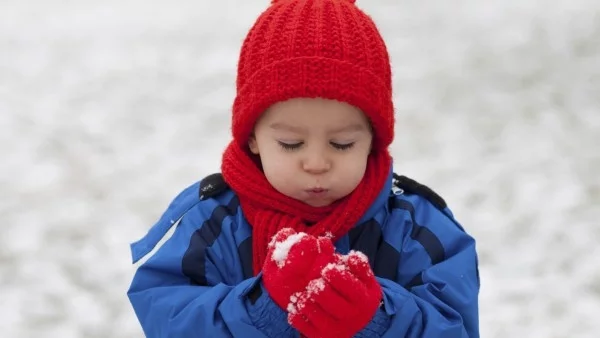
(292, 261)
(340, 303)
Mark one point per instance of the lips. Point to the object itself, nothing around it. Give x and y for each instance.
(317, 197)
(317, 190)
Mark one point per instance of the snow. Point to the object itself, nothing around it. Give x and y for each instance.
(282, 248)
(299, 299)
(291, 308)
(281, 234)
(333, 266)
(109, 108)
(355, 256)
(315, 286)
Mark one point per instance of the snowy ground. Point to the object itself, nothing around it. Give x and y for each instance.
(109, 108)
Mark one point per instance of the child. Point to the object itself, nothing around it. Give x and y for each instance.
(307, 231)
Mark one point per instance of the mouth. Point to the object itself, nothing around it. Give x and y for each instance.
(316, 191)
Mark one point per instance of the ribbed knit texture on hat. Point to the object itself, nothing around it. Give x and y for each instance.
(308, 48)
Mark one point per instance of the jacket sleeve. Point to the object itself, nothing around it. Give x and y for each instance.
(190, 287)
(436, 292)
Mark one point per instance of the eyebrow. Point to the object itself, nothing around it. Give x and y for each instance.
(299, 130)
(283, 126)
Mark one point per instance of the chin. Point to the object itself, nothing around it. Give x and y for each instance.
(319, 205)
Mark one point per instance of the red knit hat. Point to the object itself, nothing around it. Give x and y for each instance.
(314, 48)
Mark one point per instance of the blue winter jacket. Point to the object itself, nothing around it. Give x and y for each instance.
(200, 282)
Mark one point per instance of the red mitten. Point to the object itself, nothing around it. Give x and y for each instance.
(293, 260)
(341, 302)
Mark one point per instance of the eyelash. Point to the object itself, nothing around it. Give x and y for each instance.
(295, 146)
(339, 146)
(289, 147)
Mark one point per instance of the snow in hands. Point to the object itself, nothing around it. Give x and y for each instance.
(282, 248)
(299, 299)
(359, 260)
(284, 240)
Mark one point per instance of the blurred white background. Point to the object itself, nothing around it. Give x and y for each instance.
(109, 108)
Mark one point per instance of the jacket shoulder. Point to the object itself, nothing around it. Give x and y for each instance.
(196, 196)
(420, 200)
(405, 185)
(211, 186)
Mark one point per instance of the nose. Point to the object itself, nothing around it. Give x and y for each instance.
(316, 163)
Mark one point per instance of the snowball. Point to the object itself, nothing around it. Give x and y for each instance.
(281, 232)
(282, 249)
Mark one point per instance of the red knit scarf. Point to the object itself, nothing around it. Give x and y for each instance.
(268, 211)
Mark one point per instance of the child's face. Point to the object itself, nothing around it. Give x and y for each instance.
(313, 150)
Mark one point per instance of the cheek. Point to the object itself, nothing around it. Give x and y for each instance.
(360, 167)
(276, 164)
(280, 173)
(356, 166)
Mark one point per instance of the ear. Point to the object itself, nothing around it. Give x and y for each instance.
(253, 145)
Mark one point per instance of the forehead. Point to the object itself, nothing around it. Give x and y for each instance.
(314, 111)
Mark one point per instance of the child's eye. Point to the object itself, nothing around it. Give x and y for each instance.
(290, 146)
(342, 146)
